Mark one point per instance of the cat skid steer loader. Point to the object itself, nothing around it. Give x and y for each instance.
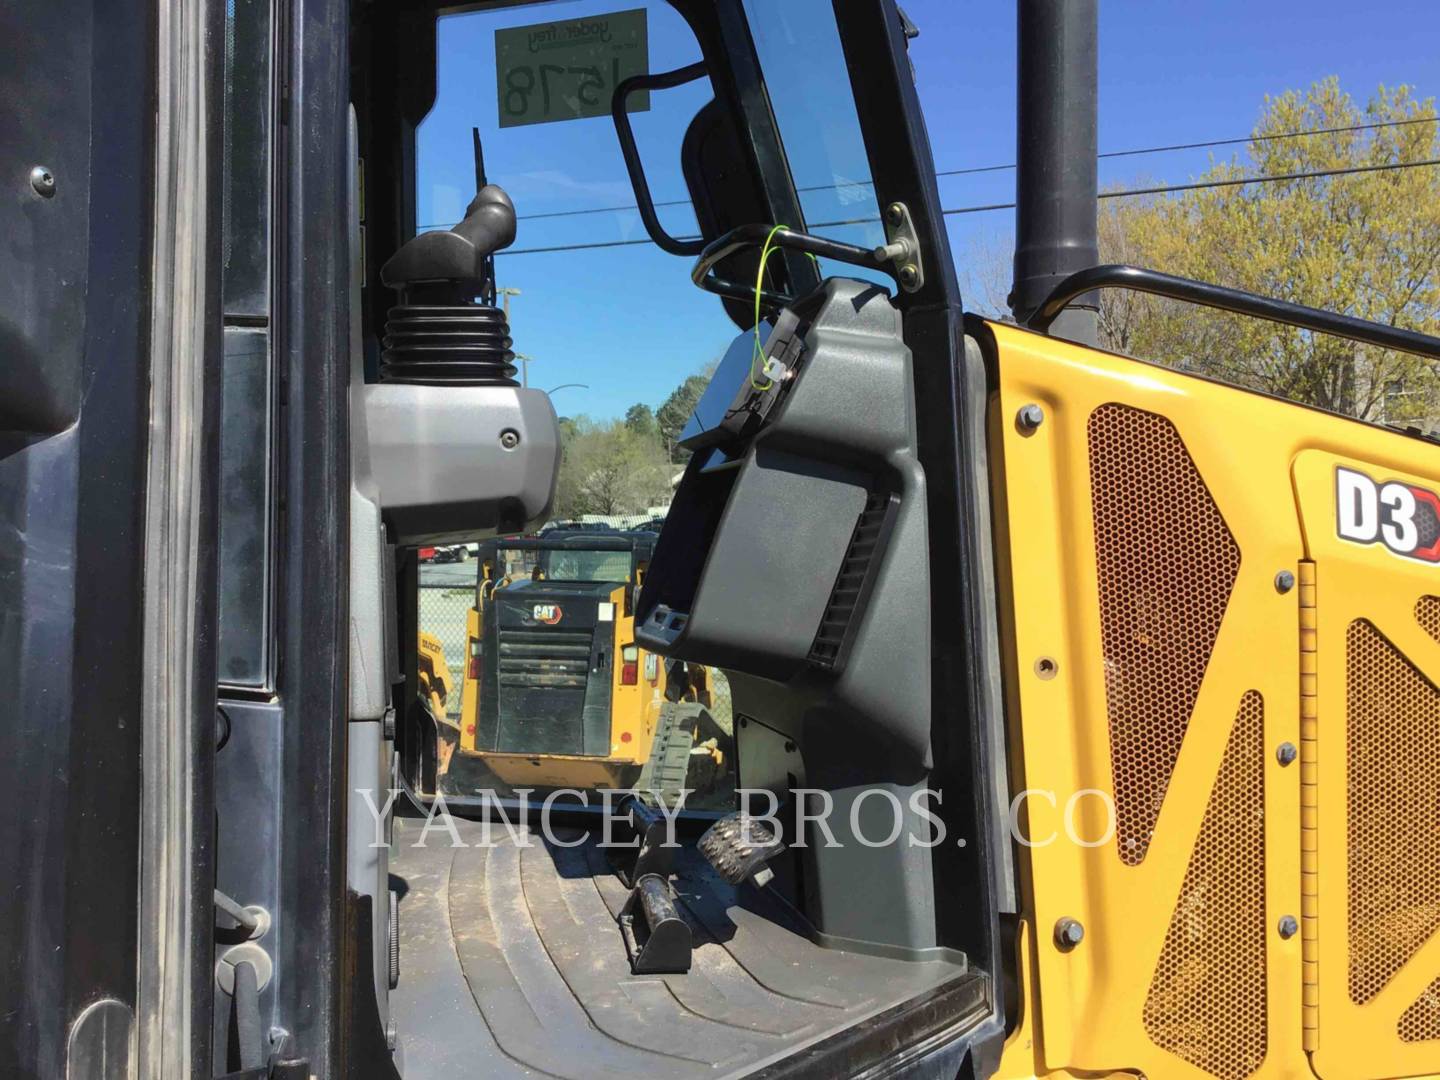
(1095, 702)
(558, 694)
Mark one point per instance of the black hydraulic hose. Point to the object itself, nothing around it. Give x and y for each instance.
(249, 1039)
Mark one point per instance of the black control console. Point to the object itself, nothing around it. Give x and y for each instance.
(802, 469)
(795, 558)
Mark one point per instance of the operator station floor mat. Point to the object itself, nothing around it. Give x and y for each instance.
(512, 964)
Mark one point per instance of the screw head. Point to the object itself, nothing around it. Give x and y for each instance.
(1029, 418)
(909, 275)
(1286, 753)
(509, 438)
(1284, 581)
(1287, 926)
(43, 181)
(1046, 667)
(895, 212)
(1068, 933)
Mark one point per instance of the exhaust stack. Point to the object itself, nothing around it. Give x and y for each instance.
(1056, 175)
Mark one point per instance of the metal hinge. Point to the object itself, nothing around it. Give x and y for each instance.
(1309, 809)
(902, 247)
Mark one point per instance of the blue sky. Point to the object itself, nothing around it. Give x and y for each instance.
(626, 321)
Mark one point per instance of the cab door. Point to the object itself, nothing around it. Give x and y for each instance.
(1224, 678)
(106, 565)
(1370, 754)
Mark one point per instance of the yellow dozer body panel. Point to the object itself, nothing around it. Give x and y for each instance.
(1224, 619)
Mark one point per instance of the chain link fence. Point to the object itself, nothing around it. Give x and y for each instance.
(447, 593)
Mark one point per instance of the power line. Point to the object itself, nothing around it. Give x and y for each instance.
(1140, 151)
(1221, 142)
(1239, 181)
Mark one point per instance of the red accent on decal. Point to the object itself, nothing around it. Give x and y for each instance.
(1431, 553)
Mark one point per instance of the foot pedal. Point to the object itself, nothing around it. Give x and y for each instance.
(656, 936)
(738, 847)
(645, 850)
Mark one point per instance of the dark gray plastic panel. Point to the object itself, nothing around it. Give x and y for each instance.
(846, 426)
(772, 568)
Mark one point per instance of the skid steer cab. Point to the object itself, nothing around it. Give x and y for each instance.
(558, 694)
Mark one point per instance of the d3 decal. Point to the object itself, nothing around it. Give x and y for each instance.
(1403, 517)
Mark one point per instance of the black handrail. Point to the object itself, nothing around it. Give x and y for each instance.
(1241, 303)
(664, 80)
(754, 235)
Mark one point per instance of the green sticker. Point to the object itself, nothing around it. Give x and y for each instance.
(568, 70)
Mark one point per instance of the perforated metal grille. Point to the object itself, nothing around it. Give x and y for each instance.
(1427, 614)
(1207, 999)
(1421, 1021)
(1166, 564)
(1393, 782)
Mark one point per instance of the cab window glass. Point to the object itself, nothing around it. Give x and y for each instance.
(245, 645)
(586, 566)
(527, 652)
(815, 112)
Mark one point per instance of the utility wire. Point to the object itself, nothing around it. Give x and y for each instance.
(1240, 181)
(1220, 142)
(1001, 168)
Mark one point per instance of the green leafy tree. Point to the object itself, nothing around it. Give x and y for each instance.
(1366, 244)
(676, 410)
(640, 419)
(609, 469)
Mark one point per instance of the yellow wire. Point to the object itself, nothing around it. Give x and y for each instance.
(759, 354)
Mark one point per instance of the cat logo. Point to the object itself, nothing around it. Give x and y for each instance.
(1404, 518)
(549, 614)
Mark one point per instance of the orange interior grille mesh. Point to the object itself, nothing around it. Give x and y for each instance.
(1393, 784)
(1207, 999)
(1421, 1021)
(1166, 563)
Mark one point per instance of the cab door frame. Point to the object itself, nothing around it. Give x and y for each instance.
(176, 868)
(975, 880)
